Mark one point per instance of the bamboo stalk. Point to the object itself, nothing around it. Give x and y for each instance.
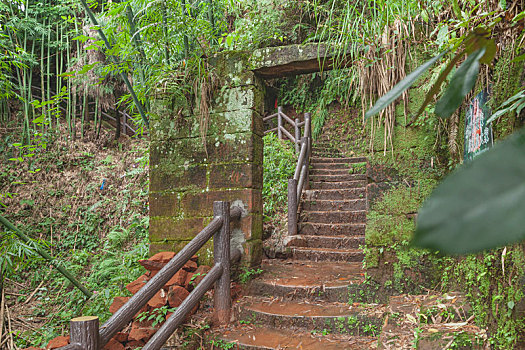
(138, 104)
(46, 256)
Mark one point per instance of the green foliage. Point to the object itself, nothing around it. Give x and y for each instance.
(477, 201)
(279, 166)
(157, 315)
(248, 274)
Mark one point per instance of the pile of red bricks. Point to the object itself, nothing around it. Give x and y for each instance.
(171, 295)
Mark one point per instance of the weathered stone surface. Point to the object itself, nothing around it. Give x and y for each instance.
(158, 300)
(230, 67)
(275, 62)
(118, 302)
(201, 204)
(58, 342)
(176, 295)
(253, 252)
(167, 228)
(113, 344)
(140, 333)
(236, 98)
(178, 279)
(248, 175)
(167, 177)
(164, 204)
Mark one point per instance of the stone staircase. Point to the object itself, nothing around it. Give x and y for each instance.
(311, 300)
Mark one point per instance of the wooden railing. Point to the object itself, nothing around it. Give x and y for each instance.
(85, 333)
(301, 176)
(281, 130)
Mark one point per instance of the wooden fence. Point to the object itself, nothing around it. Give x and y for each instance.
(85, 333)
(303, 147)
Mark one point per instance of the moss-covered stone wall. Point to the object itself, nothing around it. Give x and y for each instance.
(189, 169)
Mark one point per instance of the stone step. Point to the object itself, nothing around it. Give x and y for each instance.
(266, 338)
(332, 242)
(326, 154)
(352, 193)
(320, 229)
(334, 166)
(334, 205)
(320, 185)
(339, 318)
(334, 217)
(327, 254)
(337, 178)
(294, 280)
(338, 160)
(339, 172)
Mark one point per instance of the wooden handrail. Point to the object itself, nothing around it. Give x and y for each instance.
(219, 227)
(281, 130)
(300, 178)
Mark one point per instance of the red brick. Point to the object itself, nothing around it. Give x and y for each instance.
(135, 344)
(176, 295)
(135, 286)
(114, 345)
(121, 337)
(162, 257)
(118, 302)
(178, 279)
(58, 342)
(190, 266)
(140, 333)
(158, 300)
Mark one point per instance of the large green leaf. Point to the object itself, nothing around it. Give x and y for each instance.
(480, 206)
(460, 85)
(400, 87)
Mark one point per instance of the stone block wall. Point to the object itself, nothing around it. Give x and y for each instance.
(189, 171)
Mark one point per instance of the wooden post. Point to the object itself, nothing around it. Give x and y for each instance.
(292, 207)
(297, 136)
(307, 125)
(279, 123)
(84, 331)
(221, 252)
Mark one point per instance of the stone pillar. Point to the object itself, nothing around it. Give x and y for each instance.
(188, 172)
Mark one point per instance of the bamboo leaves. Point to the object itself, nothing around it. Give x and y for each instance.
(403, 85)
(460, 85)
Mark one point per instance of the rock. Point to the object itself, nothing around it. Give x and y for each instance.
(135, 286)
(194, 258)
(121, 337)
(135, 344)
(176, 295)
(188, 284)
(114, 345)
(200, 273)
(158, 299)
(190, 266)
(162, 257)
(138, 332)
(118, 302)
(178, 279)
(151, 265)
(58, 342)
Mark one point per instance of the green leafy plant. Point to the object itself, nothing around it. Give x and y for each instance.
(248, 274)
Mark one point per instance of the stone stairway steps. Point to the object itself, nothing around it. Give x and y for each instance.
(335, 194)
(338, 160)
(295, 279)
(332, 242)
(316, 171)
(321, 229)
(327, 254)
(249, 338)
(333, 217)
(334, 205)
(337, 178)
(334, 317)
(321, 185)
(331, 166)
